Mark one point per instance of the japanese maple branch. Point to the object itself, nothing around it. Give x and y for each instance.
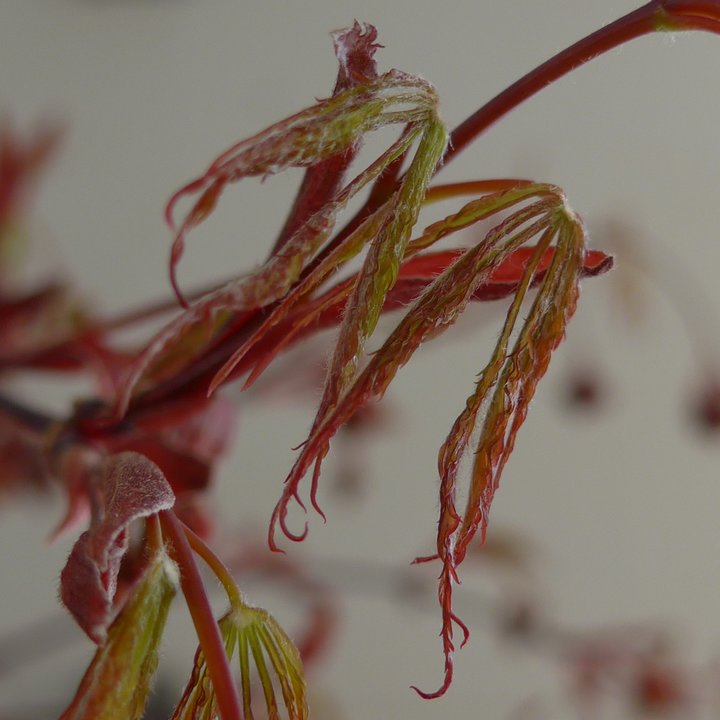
(655, 16)
(640, 22)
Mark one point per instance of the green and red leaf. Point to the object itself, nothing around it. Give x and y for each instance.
(499, 404)
(118, 679)
(260, 642)
(433, 311)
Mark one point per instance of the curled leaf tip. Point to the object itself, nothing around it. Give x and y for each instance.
(355, 49)
(447, 682)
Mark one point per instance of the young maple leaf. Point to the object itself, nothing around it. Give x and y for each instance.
(500, 403)
(307, 139)
(508, 382)
(434, 309)
(128, 487)
(258, 639)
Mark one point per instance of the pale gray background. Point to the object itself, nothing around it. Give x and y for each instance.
(620, 508)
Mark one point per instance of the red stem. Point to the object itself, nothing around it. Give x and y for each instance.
(706, 9)
(207, 630)
(654, 16)
(640, 22)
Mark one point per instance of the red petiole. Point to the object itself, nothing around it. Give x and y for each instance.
(206, 627)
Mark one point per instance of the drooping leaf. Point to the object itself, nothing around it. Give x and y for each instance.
(299, 140)
(129, 487)
(118, 680)
(500, 403)
(434, 310)
(316, 134)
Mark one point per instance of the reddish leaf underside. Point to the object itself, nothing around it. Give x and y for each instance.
(130, 487)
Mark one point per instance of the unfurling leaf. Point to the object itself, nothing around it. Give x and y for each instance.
(500, 401)
(129, 487)
(435, 309)
(259, 642)
(328, 128)
(303, 140)
(118, 680)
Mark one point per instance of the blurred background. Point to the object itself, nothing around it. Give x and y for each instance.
(598, 594)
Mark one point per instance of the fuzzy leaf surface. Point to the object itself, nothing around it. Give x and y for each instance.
(302, 140)
(129, 487)
(438, 306)
(499, 404)
(355, 52)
